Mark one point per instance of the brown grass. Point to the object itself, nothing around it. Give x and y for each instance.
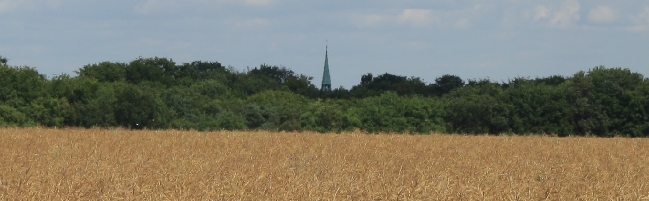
(95, 164)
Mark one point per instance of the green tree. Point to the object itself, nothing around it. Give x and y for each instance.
(91, 103)
(10, 116)
(392, 113)
(553, 80)
(104, 71)
(186, 105)
(243, 85)
(278, 74)
(589, 115)
(139, 107)
(539, 108)
(23, 83)
(157, 70)
(323, 117)
(446, 84)
(212, 89)
(478, 109)
(637, 112)
(402, 85)
(230, 121)
(190, 73)
(48, 111)
(302, 85)
(337, 93)
(275, 110)
(602, 100)
(3, 60)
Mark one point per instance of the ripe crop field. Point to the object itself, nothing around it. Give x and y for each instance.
(100, 164)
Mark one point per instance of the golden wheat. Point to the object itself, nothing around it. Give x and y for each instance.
(100, 164)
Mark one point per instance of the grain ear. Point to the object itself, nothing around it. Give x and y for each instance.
(3, 188)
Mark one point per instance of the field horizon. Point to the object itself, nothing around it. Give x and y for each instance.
(110, 164)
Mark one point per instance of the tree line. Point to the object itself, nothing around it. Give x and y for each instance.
(157, 93)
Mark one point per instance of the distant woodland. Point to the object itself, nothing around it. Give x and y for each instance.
(157, 93)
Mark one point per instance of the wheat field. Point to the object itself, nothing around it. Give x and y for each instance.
(101, 164)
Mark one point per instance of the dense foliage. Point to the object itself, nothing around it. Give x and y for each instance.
(157, 93)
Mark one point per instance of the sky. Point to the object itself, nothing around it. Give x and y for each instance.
(473, 39)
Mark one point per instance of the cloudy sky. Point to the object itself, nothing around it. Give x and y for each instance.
(496, 39)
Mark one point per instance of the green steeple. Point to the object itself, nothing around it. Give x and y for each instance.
(326, 78)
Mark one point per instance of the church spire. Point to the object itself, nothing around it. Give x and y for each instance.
(326, 78)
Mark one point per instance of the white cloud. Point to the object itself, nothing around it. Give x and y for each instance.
(567, 14)
(416, 17)
(641, 21)
(411, 17)
(151, 6)
(9, 5)
(463, 23)
(602, 14)
(564, 15)
(413, 45)
(419, 18)
(54, 3)
(249, 24)
(167, 5)
(244, 2)
(368, 20)
(644, 16)
(258, 2)
(13, 5)
(541, 12)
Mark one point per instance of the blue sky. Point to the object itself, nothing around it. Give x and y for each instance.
(496, 39)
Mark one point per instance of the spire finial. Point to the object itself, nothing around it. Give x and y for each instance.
(326, 78)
